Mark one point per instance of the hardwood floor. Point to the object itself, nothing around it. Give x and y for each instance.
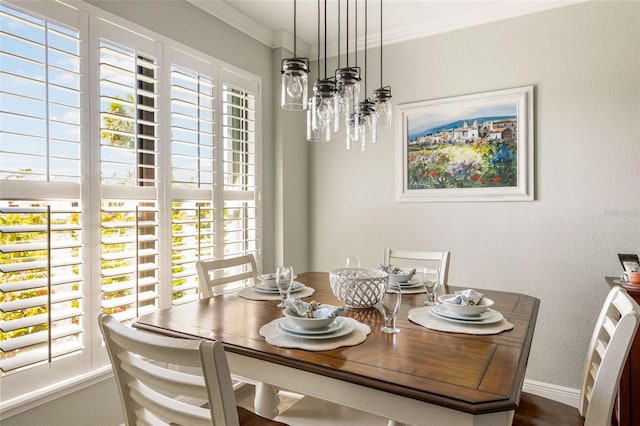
(538, 411)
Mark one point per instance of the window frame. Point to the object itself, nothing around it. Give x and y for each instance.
(34, 386)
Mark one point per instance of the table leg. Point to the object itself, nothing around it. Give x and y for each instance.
(266, 400)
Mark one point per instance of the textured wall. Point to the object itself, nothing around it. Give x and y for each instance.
(584, 62)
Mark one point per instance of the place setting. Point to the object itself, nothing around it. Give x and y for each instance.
(268, 287)
(466, 311)
(313, 326)
(404, 278)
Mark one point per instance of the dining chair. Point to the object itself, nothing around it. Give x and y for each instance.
(214, 275)
(166, 380)
(612, 337)
(415, 259)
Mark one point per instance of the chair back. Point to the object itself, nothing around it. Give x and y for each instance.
(416, 259)
(214, 275)
(151, 368)
(610, 344)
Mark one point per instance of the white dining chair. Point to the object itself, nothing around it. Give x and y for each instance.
(417, 259)
(165, 380)
(612, 337)
(215, 275)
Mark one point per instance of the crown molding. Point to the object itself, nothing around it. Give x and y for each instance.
(483, 13)
(249, 26)
(238, 20)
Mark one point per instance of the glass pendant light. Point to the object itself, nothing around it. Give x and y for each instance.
(382, 95)
(366, 109)
(294, 95)
(324, 106)
(348, 81)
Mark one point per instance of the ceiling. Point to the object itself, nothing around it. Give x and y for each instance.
(271, 21)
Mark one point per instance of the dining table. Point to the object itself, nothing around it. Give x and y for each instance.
(419, 376)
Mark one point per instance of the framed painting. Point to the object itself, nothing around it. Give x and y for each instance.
(467, 148)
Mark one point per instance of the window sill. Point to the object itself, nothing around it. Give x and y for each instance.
(50, 393)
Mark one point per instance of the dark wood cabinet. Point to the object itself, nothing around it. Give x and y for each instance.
(626, 413)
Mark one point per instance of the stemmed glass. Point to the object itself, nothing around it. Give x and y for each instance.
(389, 305)
(353, 262)
(284, 281)
(430, 281)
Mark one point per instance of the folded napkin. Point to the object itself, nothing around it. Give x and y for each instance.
(465, 298)
(312, 309)
(397, 271)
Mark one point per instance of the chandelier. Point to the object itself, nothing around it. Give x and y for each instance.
(336, 102)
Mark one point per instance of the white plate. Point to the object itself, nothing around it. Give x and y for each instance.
(410, 284)
(288, 325)
(489, 317)
(347, 328)
(444, 312)
(274, 290)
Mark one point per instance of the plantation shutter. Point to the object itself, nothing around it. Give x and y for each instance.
(41, 249)
(240, 185)
(192, 172)
(129, 216)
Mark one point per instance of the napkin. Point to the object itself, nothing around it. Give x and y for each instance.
(397, 271)
(312, 309)
(465, 298)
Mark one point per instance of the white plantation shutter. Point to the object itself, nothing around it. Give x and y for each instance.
(129, 260)
(40, 281)
(40, 108)
(192, 109)
(123, 161)
(41, 285)
(129, 217)
(240, 185)
(192, 239)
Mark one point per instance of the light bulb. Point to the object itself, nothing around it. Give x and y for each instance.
(324, 112)
(294, 86)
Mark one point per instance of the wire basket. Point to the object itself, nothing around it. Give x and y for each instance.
(358, 287)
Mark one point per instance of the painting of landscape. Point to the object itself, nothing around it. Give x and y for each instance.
(463, 146)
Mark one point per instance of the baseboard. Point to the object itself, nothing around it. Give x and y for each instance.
(562, 394)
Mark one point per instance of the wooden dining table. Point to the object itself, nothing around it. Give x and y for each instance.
(416, 377)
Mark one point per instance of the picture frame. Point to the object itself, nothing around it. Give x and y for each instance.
(477, 147)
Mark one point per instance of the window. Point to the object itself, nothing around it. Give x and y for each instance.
(240, 175)
(124, 159)
(40, 240)
(192, 172)
(128, 175)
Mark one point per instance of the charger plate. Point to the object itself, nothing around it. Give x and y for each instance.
(274, 335)
(424, 317)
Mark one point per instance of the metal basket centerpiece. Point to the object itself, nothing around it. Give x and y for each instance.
(358, 287)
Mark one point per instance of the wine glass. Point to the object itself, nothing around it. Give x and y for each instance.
(390, 305)
(353, 262)
(430, 281)
(284, 281)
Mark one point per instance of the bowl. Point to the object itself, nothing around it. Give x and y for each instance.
(358, 288)
(465, 310)
(268, 280)
(401, 277)
(307, 323)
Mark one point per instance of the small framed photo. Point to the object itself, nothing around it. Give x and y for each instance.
(630, 262)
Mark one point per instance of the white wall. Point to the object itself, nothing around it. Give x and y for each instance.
(584, 61)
